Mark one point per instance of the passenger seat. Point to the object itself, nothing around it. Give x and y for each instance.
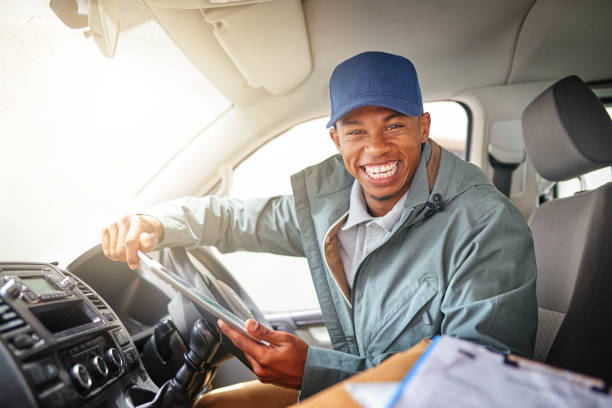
(567, 133)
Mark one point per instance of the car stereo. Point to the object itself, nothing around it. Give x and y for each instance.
(68, 344)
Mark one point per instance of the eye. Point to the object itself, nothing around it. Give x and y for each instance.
(394, 126)
(354, 132)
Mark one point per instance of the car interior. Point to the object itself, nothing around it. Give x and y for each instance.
(230, 97)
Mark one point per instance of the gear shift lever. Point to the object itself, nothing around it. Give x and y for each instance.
(204, 343)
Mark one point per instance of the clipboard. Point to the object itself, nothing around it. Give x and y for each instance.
(475, 376)
(197, 296)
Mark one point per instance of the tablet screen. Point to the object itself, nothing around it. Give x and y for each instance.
(196, 295)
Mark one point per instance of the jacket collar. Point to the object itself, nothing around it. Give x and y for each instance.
(419, 188)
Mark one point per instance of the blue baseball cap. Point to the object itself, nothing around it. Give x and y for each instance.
(374, 79)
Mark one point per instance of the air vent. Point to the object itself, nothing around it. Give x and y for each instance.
(9, 320)
(95, 299)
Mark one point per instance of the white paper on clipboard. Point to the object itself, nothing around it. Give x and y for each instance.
(461, 374)
(196, 296)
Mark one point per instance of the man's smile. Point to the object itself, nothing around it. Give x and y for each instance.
(381, 172)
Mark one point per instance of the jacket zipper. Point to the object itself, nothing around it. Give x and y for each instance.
(406, 224)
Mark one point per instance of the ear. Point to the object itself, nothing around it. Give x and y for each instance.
(425, 122)
(333, 133)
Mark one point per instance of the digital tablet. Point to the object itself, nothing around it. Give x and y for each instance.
(196, 296)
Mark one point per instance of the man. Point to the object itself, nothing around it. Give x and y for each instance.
(403, 239)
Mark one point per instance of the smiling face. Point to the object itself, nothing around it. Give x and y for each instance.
(381, 148)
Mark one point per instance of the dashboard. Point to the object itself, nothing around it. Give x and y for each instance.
(86, 335)
(62, 345)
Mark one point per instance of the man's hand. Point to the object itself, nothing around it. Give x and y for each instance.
(280, 363)
(122, 239)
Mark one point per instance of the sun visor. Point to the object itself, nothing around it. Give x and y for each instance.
(267, 42)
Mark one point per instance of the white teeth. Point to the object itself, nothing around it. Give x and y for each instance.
(378, 172)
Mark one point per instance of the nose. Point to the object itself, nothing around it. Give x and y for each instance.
(378, 144)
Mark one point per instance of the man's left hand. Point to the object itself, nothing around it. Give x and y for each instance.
(280, 363)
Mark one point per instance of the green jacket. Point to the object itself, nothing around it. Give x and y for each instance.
(467, 271)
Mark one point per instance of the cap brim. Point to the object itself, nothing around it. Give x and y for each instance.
(387, 101)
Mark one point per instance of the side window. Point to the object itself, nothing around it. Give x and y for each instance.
(450, 126)
(588, 181)
(279, 283)
(266, 172)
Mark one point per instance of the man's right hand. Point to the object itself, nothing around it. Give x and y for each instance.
(122, 239)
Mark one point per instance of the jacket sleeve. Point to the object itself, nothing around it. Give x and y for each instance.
(326, 367)
(490, 296)
(229, 224)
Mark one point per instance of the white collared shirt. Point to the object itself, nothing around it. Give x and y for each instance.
(363, 233)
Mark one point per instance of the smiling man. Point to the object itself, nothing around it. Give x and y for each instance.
(404, 240)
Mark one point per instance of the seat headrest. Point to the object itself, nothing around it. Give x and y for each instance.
(567, 131)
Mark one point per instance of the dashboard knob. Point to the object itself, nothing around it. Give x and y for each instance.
(12, 287)
(68, 283)
(99, 366)
(81, 376)
(113, 357)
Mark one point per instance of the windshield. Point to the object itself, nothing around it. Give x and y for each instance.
(81, 134)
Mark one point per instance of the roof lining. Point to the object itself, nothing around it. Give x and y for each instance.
(516, 41)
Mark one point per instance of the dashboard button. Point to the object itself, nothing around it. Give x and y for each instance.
(131, 357)
(42, 372)
(30, 297)
(68, 283)
(121, 336)
(23, 341)
(50, 370)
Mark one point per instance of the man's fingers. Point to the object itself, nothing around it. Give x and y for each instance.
(112, 242)
(122, 230)
(105, 237)
(261, 332)
(132, 242)
(122, 239)
(282, 363)
(254, 364)
(258, 370)
(242, 341)
(148, 241)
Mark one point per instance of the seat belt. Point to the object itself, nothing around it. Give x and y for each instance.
(504, 161)
(502, 174)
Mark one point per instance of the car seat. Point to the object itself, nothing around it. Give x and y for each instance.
(567, 133)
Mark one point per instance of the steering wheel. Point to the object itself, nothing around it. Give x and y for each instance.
(210, 276)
